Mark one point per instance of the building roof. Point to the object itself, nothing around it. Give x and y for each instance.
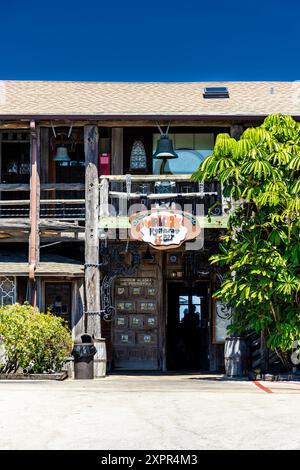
(16, 264)
(152, 99)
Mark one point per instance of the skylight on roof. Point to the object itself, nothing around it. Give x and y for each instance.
(216, 92)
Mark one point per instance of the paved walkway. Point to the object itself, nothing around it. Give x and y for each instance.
(150, 412)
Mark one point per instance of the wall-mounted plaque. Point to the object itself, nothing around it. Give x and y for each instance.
(136, 322)
(124, 338)
(135, 281)
(147, 306)
(147, 339)
(121, 321)
(151, 291)
(151, 322)
(121, 291)
(136, 291)
(125, 306)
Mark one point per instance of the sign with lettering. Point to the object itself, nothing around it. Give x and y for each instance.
(163, 228)
(135, 281)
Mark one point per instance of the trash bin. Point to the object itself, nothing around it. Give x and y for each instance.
(83, 352)
(236, 356)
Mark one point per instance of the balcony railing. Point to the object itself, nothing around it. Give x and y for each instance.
(12, 206)
(117, 195)
(119, 192)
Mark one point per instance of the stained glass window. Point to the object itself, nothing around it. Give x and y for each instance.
(138, 157)
(7, 290)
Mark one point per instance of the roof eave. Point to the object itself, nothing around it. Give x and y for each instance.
(154, 117)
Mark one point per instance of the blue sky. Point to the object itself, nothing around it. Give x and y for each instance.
(157, 40)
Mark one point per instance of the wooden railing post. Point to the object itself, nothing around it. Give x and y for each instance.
(104, 190)
(92, 274)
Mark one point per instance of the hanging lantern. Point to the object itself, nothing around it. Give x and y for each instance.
(61, 154)
(164, 149)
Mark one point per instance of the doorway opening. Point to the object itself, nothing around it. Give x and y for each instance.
(187, 326)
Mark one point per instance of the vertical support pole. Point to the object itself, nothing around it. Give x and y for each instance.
(92, 274)
(34, 246)
(117, 151)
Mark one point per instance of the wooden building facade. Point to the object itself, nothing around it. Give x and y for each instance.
(65, 225)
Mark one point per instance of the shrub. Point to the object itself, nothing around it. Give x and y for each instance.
(33, 341)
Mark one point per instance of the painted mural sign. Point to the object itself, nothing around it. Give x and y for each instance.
(163, 228)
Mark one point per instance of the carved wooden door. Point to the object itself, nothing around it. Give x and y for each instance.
(135, 332)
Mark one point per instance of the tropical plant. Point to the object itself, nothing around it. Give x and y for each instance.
(32, 341)
(261, 249)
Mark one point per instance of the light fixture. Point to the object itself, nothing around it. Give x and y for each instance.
(164, 150)
(148, 256)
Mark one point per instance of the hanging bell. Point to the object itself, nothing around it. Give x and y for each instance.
(164, 149)
(61, 155)
(148, 256)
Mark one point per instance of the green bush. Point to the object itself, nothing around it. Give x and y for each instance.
(33, 341)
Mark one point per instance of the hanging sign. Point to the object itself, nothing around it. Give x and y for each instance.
(164, 229)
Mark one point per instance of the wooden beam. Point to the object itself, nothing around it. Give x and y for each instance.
(13, 223)
(62, 187)
(57, 225)
(134, 178)
(123, 195)
(92, 273)
(215, 222)
(14, 187)
(15, 125)
(117, 151)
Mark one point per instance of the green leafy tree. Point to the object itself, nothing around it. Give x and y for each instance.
(261, 249)
(32, 340)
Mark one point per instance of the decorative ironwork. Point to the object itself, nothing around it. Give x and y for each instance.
(223, 311)
(7, 290)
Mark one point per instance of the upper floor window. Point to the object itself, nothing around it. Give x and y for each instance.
(191, 149)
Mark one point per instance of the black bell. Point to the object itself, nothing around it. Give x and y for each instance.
(164, 149)
(148, 256)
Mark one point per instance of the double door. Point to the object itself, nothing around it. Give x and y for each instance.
(135, 332)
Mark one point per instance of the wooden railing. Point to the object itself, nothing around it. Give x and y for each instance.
(118, 192)
(50, 207)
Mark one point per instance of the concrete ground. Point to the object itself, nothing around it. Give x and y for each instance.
(150, 412)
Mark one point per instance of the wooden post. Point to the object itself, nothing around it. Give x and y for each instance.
(117, 151)
(104, 197)
(34, 248)
(92, 274)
